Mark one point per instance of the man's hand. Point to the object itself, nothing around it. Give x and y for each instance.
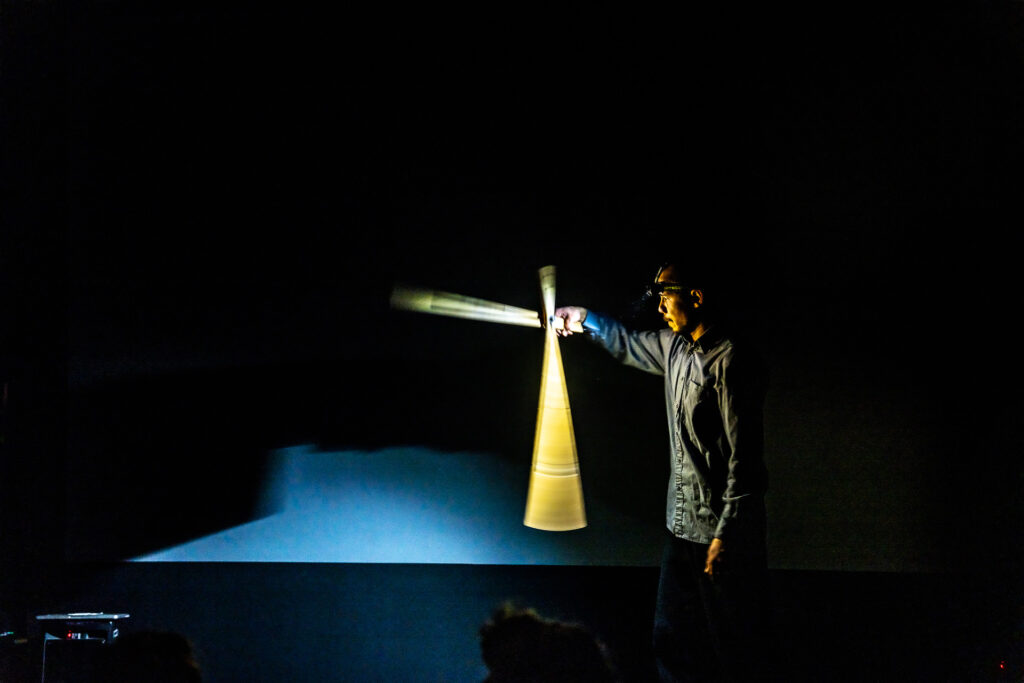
(715, 557)
(570, 315)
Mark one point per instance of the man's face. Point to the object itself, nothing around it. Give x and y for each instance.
(676, 307)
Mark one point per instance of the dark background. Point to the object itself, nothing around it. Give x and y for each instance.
(205, 209)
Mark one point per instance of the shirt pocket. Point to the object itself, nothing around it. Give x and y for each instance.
(700, 414)
(693, 394)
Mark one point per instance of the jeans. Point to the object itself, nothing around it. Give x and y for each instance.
(712, 630)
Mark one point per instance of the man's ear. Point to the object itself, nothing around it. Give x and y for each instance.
(697, 295)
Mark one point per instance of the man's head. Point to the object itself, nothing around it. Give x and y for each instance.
(680, 293)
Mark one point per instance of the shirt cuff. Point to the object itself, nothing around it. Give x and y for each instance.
(592, 323)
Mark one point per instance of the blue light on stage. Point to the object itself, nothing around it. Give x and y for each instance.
(409, 505)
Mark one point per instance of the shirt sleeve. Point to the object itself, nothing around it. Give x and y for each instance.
(642, 350)
(741, 388)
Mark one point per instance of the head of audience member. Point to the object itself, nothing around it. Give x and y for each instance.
(520, 646)
(151, 657)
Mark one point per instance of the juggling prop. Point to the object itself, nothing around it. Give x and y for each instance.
(554, 500)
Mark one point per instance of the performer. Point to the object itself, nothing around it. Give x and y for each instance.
(711, 620)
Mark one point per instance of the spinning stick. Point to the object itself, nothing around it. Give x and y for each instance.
(458, 306)
(554, 501)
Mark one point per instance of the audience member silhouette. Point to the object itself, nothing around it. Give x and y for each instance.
(150, 657)
(520, 646)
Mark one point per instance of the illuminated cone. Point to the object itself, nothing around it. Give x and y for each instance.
(555, 498)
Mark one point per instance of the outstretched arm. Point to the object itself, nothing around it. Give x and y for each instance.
(642, 350)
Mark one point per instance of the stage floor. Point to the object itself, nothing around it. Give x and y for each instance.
(311, 622)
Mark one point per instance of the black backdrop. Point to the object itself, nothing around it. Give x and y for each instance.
(208, 206)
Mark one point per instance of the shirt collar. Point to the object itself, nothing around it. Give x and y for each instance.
(708, 340)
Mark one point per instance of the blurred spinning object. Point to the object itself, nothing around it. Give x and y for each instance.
(554, 501)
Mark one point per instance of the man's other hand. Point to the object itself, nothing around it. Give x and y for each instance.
(715, 557)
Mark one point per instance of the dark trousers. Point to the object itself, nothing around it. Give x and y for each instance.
(712, 629)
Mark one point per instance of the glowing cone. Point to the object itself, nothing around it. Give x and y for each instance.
(555, 498)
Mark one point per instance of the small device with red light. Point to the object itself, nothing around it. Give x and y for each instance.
(72, 642)
(97, 626)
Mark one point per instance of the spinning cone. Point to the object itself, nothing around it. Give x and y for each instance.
(555, 498)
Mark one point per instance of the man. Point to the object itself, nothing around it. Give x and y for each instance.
(710, 621)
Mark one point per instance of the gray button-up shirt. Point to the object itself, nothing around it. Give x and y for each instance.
(714, 399)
